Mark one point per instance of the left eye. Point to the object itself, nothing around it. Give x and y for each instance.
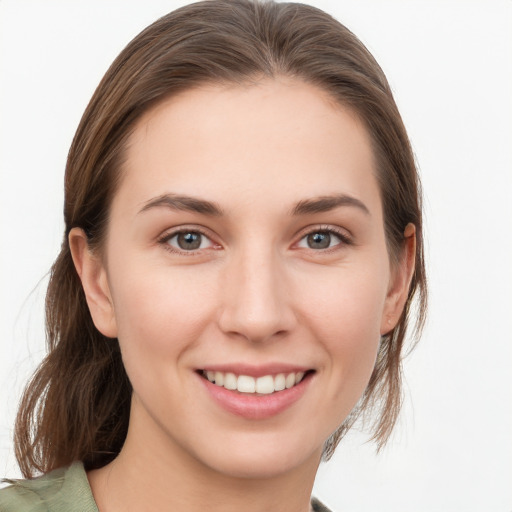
(189, 241)
(320, 240)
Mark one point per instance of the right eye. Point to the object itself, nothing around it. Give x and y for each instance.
(187, 241)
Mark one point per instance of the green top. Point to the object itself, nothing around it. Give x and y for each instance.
(62, 490)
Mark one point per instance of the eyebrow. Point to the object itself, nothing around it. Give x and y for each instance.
(183, 203)
(327, 203)
(306, 206)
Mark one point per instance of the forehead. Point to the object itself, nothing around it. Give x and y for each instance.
(279, 138)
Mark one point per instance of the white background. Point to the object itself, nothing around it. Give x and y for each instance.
(450, 66)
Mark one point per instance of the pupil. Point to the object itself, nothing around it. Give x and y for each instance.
(189, 241)
(319, 240)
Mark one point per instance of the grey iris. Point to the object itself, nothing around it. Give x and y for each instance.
(319, 240)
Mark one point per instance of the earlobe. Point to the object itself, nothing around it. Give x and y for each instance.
(93, 276)
(400, 281)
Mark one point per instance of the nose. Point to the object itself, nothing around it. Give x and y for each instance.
(256, 301)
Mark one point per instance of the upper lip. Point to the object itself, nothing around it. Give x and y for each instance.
(255, 370)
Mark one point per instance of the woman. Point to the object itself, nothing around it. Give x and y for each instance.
(243, 245)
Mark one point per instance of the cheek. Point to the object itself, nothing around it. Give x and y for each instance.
(159, 314)
(345, 316)
(347, 300)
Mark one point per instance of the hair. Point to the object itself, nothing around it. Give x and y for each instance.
(77, 404)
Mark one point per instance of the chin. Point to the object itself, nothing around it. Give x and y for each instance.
(258, 457)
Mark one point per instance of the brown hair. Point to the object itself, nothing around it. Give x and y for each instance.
(77, 405)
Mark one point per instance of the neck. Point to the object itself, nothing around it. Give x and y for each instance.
(153, 472)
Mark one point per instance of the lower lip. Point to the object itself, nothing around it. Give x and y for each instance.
(256, 407)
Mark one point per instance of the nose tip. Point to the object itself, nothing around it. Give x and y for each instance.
(256, 326)
(256, 305)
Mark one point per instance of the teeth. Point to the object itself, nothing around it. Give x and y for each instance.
(230, 381)
(219, 378)
(246, 384)
(290, 380)
(279, 382)
(264, 385)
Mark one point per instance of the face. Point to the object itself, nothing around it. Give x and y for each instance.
(245, 274)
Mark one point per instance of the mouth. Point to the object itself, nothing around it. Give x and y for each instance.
(249, 385)
(256, 393)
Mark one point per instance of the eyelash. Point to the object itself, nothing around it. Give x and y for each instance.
(166, 237)
(345, 239)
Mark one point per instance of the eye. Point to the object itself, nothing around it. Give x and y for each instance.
(322, 239)
(187, 241)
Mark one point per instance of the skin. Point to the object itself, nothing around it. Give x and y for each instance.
(255, 292)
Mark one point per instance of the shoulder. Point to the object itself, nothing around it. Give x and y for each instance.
(318, 506)
(63, 490)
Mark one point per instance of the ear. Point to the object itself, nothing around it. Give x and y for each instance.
(401, 276)
(93, 275)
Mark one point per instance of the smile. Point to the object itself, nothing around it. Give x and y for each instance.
(264, 385)
(256, 393)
